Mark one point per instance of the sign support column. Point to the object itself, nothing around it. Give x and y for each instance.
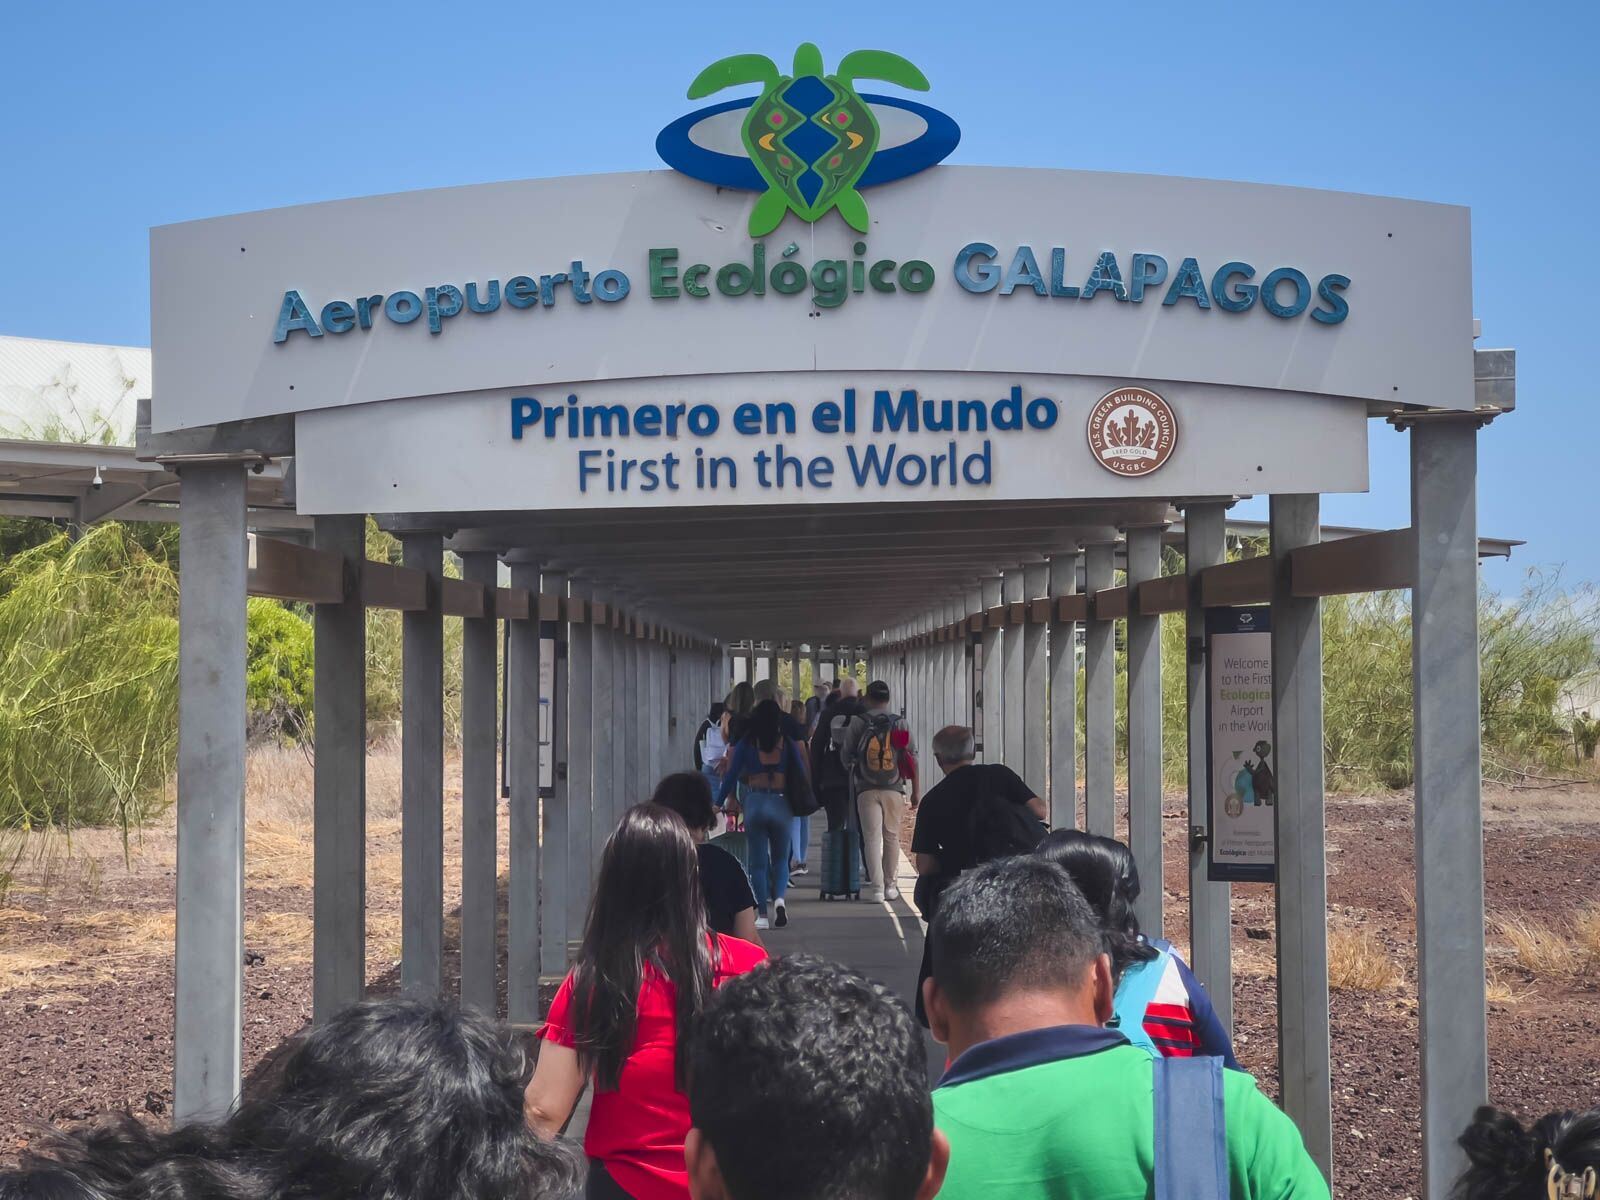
(1035, 682)
(554, 848)
(1304, 1067)
(480, 790)
(522, 753)
(994, 721)
(580, 725)
(1014, 594)
(1063, 695)
(422, 775)
(209, 971)
(1446, 715)
(1100, 702)
(339, 894)
(1210, 931)
(1144, 727)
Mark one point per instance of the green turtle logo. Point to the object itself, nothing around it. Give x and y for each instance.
(809, 134)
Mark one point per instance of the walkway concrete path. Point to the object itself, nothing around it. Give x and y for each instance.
(883, 941)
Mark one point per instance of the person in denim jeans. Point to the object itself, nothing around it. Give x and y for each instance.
(761, 762)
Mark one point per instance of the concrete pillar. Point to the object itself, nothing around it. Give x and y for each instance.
(627, 733)
(554, 841)
(602, 726)
(1446, 714)
(480, 793)
(422, 776)
(211, 720)
(1144, 728)
(1011, 670)
(1209, 903)
(339, 895)
(994, 721)
(581, 723)
(522, 752)
(1063, 697)
(1304, 1067)
(1100, 703)
(972, 664)
(955, 683)
(1035, 682)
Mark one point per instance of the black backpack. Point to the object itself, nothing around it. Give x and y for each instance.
(999, 828)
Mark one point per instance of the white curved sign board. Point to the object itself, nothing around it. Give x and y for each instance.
(376, 277)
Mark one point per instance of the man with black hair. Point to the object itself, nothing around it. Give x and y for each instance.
(1041, 1100)
(809, 1082)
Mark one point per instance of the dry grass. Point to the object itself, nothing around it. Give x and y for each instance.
(1359, 962)
(286, 937)
(1540, 949)
(1553, 953)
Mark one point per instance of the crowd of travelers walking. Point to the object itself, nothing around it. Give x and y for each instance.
(1083, 1060)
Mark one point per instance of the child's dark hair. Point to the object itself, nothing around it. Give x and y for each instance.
(1104, 870)
(687, 793)
(1508, 1162)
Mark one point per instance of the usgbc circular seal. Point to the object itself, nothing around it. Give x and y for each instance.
(1132, 431)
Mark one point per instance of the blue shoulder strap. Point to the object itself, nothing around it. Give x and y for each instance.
(1191, 1136)
(1135, 990)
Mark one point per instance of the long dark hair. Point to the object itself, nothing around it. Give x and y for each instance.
(766, 725)
(646, 910)
(1508, 1162)
(1104, 870)
(393, 1098)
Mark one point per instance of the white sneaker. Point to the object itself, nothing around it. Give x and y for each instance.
(763, 923)
(872, 895)
(780, 916)
(891, 893)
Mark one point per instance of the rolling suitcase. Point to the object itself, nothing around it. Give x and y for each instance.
(841, 864)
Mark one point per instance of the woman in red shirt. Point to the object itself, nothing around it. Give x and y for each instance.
(645, 970)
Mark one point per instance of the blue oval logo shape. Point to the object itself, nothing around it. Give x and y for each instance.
(706, 145)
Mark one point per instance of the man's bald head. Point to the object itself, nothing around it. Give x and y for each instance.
(847, 687)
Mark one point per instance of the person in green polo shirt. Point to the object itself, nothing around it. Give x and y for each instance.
(1041, 1101)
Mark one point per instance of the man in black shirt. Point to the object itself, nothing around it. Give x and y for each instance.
(944, 840)
(730, 902)
(828, 774)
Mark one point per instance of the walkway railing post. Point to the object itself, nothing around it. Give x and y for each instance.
(522, 751)
(339, 895)
(1063, 695)
(580, 759)
(1014, 593)
(1144, 727)
(1100, 702)
(1446, 708)
(994, 719)
(1209, 903)
(554, 841)
(480, 790)
(1304, 1069)
(603, 717)
(422, 775)
(209, 969)
(1035, 678)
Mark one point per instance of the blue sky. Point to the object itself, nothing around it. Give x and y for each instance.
(125, 116)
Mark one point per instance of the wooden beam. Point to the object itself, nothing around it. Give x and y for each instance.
(1039, 611)
(600, 613)
(1111, 604)
(975, 623)
(1073, 608)
(1369, 562)
(995, 618)
(577, 610)
(1247, 581)
(384, 585)
(512, 603)
(1017, 612)
(549, 606)
(1169, 594)
(290, 571)
(462, 598)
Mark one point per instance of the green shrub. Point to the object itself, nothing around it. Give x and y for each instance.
(88, 682)
(278, 670)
